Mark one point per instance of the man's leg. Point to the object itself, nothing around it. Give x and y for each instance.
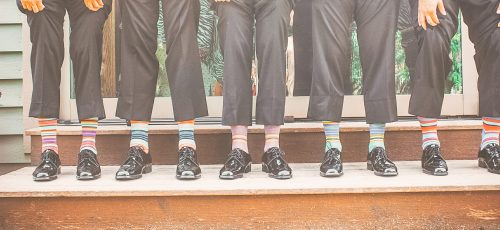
(47, 54)
(139, 73)
(331, 42)
(272, 22)
(377, 51)
(183, 64)
(86, 53)
(482, 20)
(236, 41)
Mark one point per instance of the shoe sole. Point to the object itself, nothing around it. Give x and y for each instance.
(279, 177)
(88, 177)
(482, 164)
(48, 178)
(145, 170)
(193, 177)
(248, 169)
(434, 173)
(369, 166)
(331, 174)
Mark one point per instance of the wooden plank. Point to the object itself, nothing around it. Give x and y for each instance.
(443, 210)
(464, 176)
(11, 65)
(299, 127)
(12, 121)
(9, 167)
(108, 70)
(10, 13)
(10, 38)
(11, 93)
(299, 147)
(12, 149)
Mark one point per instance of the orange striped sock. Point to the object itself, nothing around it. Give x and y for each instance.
(491, 131)
(48, 131)
(139, 136)
(89, 131)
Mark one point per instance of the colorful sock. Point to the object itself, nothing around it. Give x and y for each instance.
(48, 131)
(272, 136)
(376, 136)
(89, 130)
(332, 134)
(186, 134)
(491, 131)
(139, 136)
(429, 127)
(239, 134)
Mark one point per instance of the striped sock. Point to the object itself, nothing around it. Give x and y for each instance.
(48, 131)
(491, 130)
(376, 136)
(239, 135)
(139, 136)
(89, 130)
(332, 134)
(186, 134)
(429, 127)
(272, 133)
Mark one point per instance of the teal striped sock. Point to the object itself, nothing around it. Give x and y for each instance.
(186, 134)
(139, 136)
(377, 132)
(332, 134)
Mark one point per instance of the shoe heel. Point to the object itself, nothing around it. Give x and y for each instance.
(248, 168)
(369, 166)
(481, 164)
(147, 169)
(264, 168)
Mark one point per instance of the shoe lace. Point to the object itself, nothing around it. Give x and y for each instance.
(134, 157)
(87, 159)
(235, 155)
(186, 156)
(495, 152)
(332, 155)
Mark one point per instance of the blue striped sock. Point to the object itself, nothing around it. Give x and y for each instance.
(139, 135)
(377, 132)
(186, 134)
(332, 134)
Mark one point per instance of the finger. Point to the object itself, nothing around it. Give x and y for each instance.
(40, 5)
(96, 5)
(24, 5)
(430, 21)
(421, 21)
(90, 6)
(498, 10)
(441, 8)
(28, 5)
(100, 3)
(34, 6)
(435, 18)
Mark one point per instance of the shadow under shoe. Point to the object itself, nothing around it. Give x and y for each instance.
(238, 163)
(274, 164)
(379, 163)
(332, 164)
(432, 161)
(88, 167)
(489, 158)
(137, 163)
(49, 168)
(188, 167)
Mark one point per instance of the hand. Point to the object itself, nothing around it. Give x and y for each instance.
(498, 12)
(427, 12)
(94, 5)
(33, 5)
(222, 0)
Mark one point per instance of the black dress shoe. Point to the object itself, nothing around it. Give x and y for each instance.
(88, 167)
(332, 164)
(275, 165)
(188, 167)
(380, 164)
(489, 158)
(48, 169)
(137, 163)
(238, 162)
(432, 161)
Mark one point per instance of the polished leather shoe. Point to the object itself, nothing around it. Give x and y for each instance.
(238, 162)
(88, 167)
(489, 158)
(432, 161)
(275, 165)
(380, 164)
(137, 163)
(332, 164)
(188, 167)
(49, 168)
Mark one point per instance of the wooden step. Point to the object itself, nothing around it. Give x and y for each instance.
(468, 198)
(303, 142)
